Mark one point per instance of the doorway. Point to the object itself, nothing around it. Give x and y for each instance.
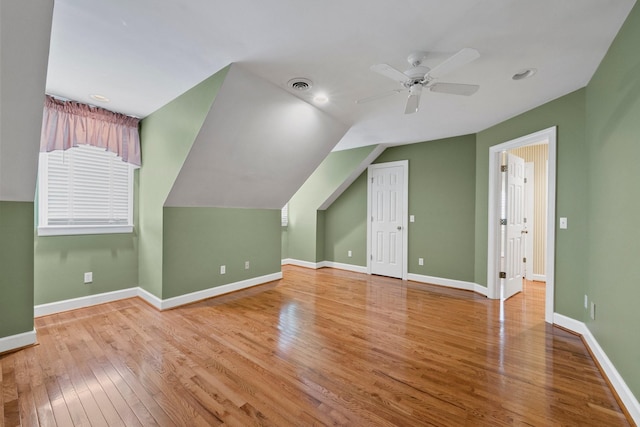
(387, 208)
(495, 280)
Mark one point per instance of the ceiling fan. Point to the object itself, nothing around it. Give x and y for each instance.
(419, 76)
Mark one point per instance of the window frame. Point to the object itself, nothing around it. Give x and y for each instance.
(44, 229)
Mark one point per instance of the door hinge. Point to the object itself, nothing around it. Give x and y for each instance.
(525, 180)
(371, 218)
(371, 257)
(503, 274)
(503, 221)
(524, 220)
(524, 259)
(504, 168)
(372, 180)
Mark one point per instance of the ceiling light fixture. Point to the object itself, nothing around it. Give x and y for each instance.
(99, 98)
(321, 98)
(524, 74)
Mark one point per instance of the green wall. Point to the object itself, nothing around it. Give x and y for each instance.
(166, 138)
(25, 29)
(61, 261)
(197, 241)
(346, 225)
(568, 114)
(304, 242)
(284, 243)
(441, 196)
(16, 265)
(613, 150)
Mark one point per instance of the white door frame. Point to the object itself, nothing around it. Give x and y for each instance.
(405, 212)
(493, 251)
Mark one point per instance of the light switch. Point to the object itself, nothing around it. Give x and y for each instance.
(563, 223)
(412, 218)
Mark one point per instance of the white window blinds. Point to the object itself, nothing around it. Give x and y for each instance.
(84, 190)
(284, 215)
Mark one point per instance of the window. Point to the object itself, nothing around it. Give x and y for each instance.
(284, 215)
(84, 190)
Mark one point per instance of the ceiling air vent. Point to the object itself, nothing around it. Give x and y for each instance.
(300, 84)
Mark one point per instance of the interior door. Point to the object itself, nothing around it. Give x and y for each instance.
(387, 220)
(514, 241)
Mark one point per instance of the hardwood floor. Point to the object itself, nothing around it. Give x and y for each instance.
(319, 347)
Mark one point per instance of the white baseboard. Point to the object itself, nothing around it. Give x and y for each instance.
(539, 277)
(160, 304)
(150, 298)
(625, 394)
(571, 324)
(17, 341)
(81, 302)
(300, 263)
(342, 266)
(218, 290)
(449, 283)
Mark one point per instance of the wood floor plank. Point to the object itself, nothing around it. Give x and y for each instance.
(28, 411)
(319, 347)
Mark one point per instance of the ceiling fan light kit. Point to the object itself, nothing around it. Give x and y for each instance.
(419, 76)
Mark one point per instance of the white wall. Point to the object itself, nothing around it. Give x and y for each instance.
(25, 29)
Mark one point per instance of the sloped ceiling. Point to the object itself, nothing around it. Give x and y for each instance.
(144, 53)
(256, 147)
(24, 51)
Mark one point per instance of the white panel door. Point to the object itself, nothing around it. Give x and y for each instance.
(514, 241)
(387, 201)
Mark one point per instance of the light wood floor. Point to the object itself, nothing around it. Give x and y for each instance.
(323, 347)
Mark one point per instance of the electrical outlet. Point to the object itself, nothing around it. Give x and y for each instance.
(349, 254)
(593, 310)
(563, 223)
(223, 269)
(88, 277)
(586, 301)
(246, 265)
(420, 261)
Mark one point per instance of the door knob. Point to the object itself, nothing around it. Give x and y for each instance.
(399, 227)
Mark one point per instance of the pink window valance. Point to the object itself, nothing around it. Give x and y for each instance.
(67, 124)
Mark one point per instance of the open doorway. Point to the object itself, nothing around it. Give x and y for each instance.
(534, 206)
(511, 238)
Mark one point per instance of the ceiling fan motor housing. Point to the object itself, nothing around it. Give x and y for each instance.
(416, 75)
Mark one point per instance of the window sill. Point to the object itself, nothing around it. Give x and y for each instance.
(82, 230)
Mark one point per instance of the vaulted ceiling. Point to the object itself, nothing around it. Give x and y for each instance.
(143, 53)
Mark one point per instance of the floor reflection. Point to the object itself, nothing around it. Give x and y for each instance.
(287, 325)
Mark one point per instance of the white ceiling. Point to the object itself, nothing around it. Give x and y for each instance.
(256, 147)
(143, 53)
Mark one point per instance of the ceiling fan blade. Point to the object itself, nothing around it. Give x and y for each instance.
(378, 96)
(459, 59)
(390, 72)
(413, 102)
(454, 88)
